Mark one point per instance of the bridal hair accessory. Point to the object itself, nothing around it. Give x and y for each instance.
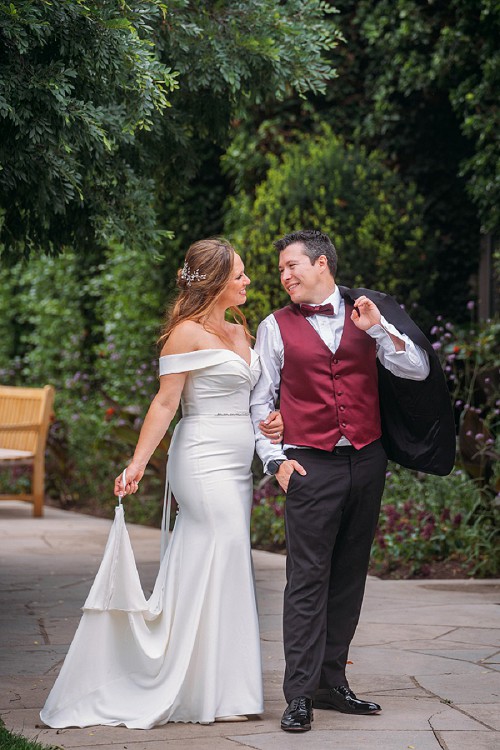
(189, 276)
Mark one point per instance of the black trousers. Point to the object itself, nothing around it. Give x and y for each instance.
(331, 516)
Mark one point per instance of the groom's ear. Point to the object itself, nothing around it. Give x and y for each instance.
(322, 261)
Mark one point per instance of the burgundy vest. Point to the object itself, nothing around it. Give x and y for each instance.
(323, 395)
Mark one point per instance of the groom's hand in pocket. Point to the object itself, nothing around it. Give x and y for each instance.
(286, 470)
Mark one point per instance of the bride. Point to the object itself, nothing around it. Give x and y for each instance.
(191, 652)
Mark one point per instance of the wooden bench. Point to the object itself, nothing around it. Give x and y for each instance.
(24, 423)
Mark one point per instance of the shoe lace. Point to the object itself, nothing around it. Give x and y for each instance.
(299, 704)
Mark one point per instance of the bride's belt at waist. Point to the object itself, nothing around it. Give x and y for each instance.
(197, 415)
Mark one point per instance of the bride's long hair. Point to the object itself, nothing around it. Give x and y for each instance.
(201, 281)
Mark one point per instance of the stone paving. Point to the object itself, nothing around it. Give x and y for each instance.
(429, 652)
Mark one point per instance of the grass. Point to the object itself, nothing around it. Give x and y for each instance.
(13, 741)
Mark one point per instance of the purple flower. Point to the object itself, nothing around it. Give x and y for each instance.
(427, 531)
(436, 345)
(470, 305)
(479, 436)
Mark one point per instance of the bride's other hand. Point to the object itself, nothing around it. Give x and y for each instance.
(272, 427)
(134, 474)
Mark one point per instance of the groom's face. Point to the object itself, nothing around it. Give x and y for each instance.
(301, 279)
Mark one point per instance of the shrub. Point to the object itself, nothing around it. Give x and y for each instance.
(90, 331)
(323, 183)
(471, 360)
(268, 523)
(426, 519)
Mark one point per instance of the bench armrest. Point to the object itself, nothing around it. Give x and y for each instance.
(19, 427)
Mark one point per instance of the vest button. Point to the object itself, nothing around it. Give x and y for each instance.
(335, 361)
(340, 393)
(342, 408)
(343, 424)
(337, 377)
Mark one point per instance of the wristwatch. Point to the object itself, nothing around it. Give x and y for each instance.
(273, 465)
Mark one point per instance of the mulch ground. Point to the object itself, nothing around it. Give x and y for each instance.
(437, 569)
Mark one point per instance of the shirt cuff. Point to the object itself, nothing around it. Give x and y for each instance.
(280, 457)
(380, 332)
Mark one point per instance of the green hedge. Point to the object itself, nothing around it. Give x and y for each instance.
(323, 183)
(91, 332)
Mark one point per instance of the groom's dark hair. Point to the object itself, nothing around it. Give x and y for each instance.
(315, 244)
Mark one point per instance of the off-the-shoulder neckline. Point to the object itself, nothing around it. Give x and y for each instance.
(221, 349)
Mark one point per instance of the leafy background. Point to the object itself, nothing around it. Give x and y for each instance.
(130, 130)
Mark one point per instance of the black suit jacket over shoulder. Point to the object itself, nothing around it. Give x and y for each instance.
(418, 427)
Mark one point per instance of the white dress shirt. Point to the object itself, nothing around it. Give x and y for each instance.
(412, 363)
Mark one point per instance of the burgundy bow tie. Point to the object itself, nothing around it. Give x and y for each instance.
(308, 310)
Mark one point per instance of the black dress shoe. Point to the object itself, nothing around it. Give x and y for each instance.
(342, 699)
(298, 715)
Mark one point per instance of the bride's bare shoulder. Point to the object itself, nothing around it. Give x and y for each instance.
(185, 337)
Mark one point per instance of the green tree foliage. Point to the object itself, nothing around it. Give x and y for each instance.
(96, 136)
(231, 56)
(77, 82)
(323, 183)
(127, 303)
(416, 80)
(423, 53)
(432, 78)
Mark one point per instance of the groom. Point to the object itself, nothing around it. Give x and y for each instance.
(357, 382)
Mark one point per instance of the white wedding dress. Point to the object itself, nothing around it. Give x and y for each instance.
(191, 652)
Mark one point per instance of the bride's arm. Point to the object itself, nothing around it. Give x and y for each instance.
(273, 427)
(184, 338)
(159, 415)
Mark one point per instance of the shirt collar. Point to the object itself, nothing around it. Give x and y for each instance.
(333, 299)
